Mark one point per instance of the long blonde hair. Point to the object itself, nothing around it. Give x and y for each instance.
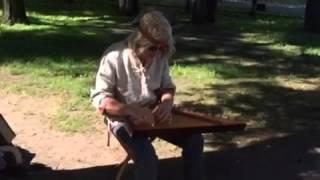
(157, 27)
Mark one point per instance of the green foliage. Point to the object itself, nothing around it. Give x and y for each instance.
(233, 65)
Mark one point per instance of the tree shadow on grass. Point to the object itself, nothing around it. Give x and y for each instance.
(293, 156)
(230, 57)
(55, 39)
(78, 8)
(276, 106)
(197, 45)
(29, 46)
(80, 34)
(237, 44)
(257, 84)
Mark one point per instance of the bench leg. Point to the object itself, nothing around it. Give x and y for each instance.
(123, 166)
(15, 151)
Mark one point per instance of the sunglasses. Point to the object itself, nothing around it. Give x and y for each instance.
(158, 48)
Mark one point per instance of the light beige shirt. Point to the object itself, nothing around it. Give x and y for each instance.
(122, 76)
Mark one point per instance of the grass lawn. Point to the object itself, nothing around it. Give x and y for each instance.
(265, 70)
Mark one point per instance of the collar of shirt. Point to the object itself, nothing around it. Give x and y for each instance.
(136, 62)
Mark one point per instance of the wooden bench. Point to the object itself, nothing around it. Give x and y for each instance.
(184, 122)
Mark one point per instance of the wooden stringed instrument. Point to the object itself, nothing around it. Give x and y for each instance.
(187, 122)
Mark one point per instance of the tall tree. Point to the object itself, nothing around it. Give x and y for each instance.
(253, 7)
(188, 5)
(68, 1)
(312, 16)
(128, 7)
(14, 12)
(204, 11)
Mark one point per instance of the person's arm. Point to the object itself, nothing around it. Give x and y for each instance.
(112, 106)
(168, 88)
(166, 97)
(105, 83)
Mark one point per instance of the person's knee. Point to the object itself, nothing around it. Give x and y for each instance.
(146, 158)
(194, 143)
(196, 140)
(146, 165)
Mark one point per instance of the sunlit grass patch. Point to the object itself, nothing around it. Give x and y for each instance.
(23, 27)
(74, 78)
(71, 122)
(199, 73)
(209, 72)
(67, 20)
(46, 22)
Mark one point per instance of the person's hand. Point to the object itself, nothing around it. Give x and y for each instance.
(162, 112)
(140, 115)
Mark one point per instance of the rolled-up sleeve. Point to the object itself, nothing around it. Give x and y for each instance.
(166, 80)
(105, 82)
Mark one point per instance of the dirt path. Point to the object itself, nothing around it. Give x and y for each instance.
(30, 119)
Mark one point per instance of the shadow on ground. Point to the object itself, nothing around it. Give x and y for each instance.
(293, 156)
(232, 57)
(276, 106)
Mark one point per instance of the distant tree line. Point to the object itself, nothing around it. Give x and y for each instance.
(202, 11)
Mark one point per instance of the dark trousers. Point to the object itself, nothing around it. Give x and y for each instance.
(146, 161)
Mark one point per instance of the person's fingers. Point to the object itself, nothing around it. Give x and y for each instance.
(161, 112)
(155, 113)
(166, 118)
(148, 117)
(151, 119)
(137, 121)
(155, 110)
(170, 119)
(162, 118)
(166, 113)
(142, 116)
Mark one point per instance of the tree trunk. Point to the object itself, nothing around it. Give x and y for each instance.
(253, 7)
(188, 5)
(68, 1)
(14, 12)
(199, 9)
(204, 11)
(312, 16)
(211, 10)
(128, 7)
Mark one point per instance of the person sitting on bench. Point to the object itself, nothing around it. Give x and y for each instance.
(133, 85)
